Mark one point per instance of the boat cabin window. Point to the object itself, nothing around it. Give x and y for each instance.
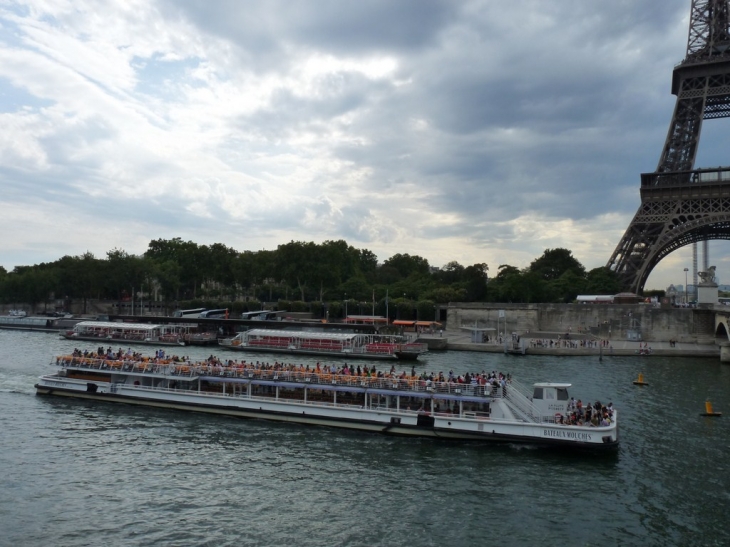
(550, 393)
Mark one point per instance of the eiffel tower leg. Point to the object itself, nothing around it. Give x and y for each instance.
(680, 205)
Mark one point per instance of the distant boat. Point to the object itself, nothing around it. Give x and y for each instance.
(128, 333)
(340, 344)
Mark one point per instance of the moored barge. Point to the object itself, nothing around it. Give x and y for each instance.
(128, 333)
(337, 344)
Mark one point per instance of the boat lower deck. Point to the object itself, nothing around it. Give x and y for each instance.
(322, 405)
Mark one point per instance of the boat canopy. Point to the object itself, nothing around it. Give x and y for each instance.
(552, 384)
(301, 335)
(365, 319)
(119, 326)
(23, 321)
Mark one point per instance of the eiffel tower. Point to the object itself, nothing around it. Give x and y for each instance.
(681, 205)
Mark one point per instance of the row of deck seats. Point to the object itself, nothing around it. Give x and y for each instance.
(279, 342)
(332, 345)
(381, 348)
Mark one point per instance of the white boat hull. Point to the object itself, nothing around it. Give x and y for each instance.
(391, 421)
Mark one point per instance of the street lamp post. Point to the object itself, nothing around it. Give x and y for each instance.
(345, 306)
(686, 292)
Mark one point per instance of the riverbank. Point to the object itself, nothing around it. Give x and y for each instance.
(460, 340)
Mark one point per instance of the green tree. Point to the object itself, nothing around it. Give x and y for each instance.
(295, 264)
(355, 287)
(511, 285)
(444, 295)
(555, 262)
(81, 277)
(567, 287)
(475, 282)
(189, 257)
(218, 260)
(602, 281)
(126, 273)
(426, 310)
(168, 275)
(406, 264)
(243, 267)
(366, 262)
(451, 273)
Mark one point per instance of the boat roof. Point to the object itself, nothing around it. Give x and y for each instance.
(411, 323)
(365, 319)
(302, 334)
(113, 325)
(551, 384)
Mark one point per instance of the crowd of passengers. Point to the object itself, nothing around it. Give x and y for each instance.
(565, 343)
(594, 415)
(578, 414)
(494, 379)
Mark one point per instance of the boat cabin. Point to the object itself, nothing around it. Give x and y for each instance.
(551, 398)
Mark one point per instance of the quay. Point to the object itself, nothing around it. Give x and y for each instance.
(458, 340)
(625, 329)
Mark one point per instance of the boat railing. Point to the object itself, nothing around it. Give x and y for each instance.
(385, 382)
(149, 366)
(519, 396)
(186, 369)
(380, 407)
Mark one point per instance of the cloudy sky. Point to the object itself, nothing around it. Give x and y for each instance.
(476, 130)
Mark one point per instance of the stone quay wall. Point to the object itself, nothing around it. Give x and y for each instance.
(643, 322)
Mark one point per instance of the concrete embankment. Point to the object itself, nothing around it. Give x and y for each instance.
(606, 322)
(460, 342)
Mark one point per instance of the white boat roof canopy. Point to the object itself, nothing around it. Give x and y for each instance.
(302, 334)
(119, 326)
(551, 384)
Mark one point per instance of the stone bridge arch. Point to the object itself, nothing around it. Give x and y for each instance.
(722, 335)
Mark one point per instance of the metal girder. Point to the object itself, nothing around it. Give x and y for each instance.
(663, 226)
(708, 29)
(679, 205)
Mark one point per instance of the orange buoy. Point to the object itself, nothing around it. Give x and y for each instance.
(708, 410)
(640, 381)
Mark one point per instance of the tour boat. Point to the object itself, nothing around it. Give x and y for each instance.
(504, 412)
(347, 345)
(128, 333)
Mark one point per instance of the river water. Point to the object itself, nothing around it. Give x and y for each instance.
(84, 473)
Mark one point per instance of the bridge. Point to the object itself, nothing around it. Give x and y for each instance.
(722, 333)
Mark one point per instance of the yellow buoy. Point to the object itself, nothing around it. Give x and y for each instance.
(708, 410)
(640, 381)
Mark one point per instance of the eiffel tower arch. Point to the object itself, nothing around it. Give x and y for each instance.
(681, 205)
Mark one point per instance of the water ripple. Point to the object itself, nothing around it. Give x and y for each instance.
(81, 473)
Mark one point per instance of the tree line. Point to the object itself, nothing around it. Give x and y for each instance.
(324, 278)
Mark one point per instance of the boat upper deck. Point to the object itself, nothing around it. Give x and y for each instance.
(481, 389)
(322, 379)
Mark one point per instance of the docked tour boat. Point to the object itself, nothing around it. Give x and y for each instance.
(128, 333)
(338, 344)
(502, 412)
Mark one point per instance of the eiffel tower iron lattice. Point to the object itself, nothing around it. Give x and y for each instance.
(681, 205)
